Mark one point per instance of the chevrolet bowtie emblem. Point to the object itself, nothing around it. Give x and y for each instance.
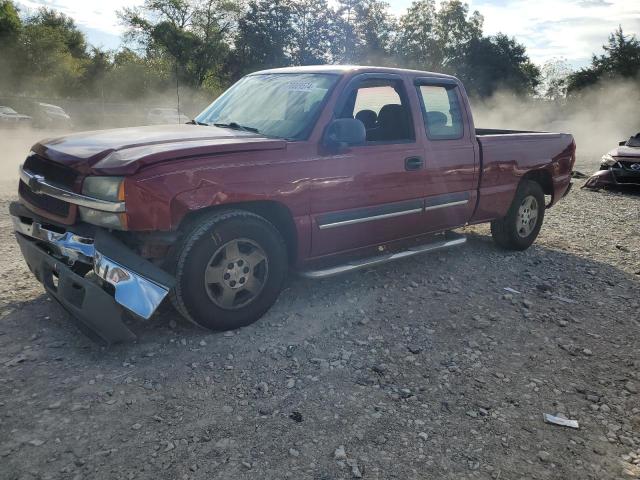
(34, 183)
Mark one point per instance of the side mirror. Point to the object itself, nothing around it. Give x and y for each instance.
(344, 132)
(622, 143)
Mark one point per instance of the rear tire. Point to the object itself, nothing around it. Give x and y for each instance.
(229, 270)
(521, 226)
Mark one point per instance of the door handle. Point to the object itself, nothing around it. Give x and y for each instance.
(413, 163)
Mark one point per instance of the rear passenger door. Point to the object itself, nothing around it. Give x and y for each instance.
(372, 193)
(451, 159)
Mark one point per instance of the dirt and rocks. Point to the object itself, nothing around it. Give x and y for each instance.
(423, 369)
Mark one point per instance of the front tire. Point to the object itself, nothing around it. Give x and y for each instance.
(229, 270)
(521, 226)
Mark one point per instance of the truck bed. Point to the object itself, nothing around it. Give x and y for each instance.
(480, 132)
(506, 155)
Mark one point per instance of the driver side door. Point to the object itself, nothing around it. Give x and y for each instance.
(371, 193)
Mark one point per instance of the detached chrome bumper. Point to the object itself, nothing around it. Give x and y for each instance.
(67, 264)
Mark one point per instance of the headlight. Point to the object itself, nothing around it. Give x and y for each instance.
(112, 221)
(104, 188)
(110, 189)
(608, 160)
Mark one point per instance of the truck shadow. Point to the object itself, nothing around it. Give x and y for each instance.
(320, 305)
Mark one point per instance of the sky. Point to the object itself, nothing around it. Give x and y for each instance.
(550, 29)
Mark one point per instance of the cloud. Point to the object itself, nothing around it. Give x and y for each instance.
(98, 19)
(573, 29)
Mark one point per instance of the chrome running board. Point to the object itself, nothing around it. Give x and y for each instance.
(452, 241)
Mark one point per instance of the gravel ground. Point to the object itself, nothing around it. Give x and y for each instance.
(423, 369)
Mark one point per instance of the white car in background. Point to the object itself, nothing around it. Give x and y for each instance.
(10, 118)
(51, 116)
(161, 116)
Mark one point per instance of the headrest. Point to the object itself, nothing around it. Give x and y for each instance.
(391, 113)
(436, 119)
(368, 117)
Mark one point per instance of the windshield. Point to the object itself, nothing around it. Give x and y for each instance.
(277, 104)
(7, 110)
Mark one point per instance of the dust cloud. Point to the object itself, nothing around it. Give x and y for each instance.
(14, 147)
(86, 115)
(598, 119)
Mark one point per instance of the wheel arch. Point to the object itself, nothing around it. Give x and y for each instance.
(273, 211)
(543, 178)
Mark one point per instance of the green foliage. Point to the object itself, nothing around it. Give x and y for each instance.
(46, 54)
(620, 60)
(417, 43)
(10, 24)
(193, 34)
(265, 35)
(489, 63)
(206, 44)
(313, 25)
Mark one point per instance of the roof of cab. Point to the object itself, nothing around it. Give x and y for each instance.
(344, 69)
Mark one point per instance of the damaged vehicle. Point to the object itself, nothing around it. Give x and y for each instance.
(282, 173)
(620, 167)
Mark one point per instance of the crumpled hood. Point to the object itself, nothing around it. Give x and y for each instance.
(124, 151)
(624, 151)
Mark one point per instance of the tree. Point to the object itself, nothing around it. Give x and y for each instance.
(10, 23)
(347, 41)
(417, 43)
(313, 29)
(10, 31)
(553, 80)
(195, 35)
(454, 30)
(64, 27)
(377, 28)
(620, 60)
(437, 39)
(265, 34)
(49, 55)
(364, 31)
(490, 63)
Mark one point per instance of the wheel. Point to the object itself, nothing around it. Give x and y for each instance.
(520, 227)
(229, 270)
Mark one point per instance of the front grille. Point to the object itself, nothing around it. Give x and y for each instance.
(52, 172)
(43, 202)
(628, 165)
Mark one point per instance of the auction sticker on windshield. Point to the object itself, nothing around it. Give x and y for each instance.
(300, 86)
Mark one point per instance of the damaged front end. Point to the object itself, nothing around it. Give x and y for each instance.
(90, 273)
(618, 168)
(620, 174)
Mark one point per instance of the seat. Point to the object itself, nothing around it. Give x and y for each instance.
(368, 117)
(393, 124)
(437, 124)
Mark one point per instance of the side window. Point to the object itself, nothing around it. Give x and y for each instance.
(441, 112)
(382, 106)
(374, 98)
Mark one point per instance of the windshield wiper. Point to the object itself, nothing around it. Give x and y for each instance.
(237, 126)
(195, 122)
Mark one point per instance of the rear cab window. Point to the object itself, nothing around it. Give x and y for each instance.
(441, 111)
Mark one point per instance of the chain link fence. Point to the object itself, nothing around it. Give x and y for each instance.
(96, 114)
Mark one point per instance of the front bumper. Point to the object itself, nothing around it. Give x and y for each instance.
(91, 273)
(613, 177)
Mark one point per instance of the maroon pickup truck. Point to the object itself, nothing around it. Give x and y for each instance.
(320, 170)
